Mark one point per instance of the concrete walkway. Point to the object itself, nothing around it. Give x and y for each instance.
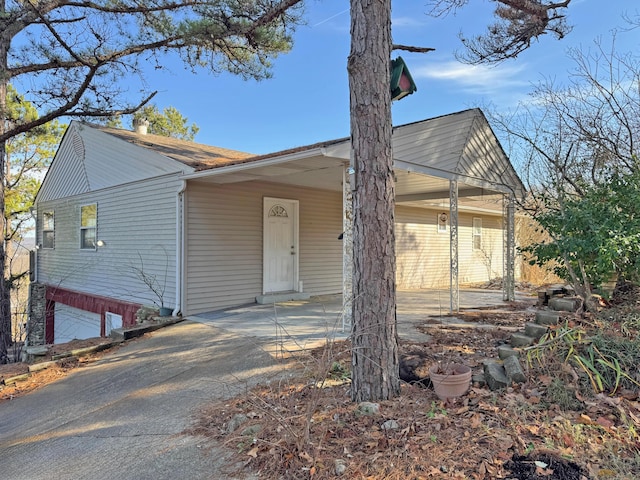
(293, 326)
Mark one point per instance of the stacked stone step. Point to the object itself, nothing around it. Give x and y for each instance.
(500, 374)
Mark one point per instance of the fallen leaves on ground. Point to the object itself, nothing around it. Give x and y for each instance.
(306, 429)
(41, 378)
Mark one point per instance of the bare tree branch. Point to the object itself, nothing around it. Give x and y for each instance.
(409, 48)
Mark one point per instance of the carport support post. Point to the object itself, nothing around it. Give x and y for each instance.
(454, 287)
(509, 242)
(347, 248)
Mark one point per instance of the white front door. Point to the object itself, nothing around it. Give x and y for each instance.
(280, 245)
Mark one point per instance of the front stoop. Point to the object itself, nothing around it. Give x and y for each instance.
(281, 297)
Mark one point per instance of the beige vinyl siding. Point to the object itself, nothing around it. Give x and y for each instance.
(423, 255)
(483, 157)
(136, 219)
(67, 175)
(224, 244)
(480, 155)
(481, 265)
(460, 144)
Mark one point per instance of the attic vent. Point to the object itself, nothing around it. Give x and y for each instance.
(78, 145)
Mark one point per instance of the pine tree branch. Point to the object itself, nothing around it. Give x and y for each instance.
(411, 48)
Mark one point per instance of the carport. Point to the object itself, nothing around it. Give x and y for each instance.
(451, 165)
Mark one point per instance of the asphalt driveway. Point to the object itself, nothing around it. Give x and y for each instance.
(123, 416)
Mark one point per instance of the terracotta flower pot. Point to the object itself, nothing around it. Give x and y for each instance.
(454, 382)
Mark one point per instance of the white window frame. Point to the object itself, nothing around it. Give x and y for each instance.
(48, 227)
(86, 228)
(476, 233)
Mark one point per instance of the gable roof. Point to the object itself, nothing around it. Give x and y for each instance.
(459, 146)
(195, 155)
(88, 159)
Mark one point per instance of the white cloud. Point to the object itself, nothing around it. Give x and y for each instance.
(476, 79)
(400, 22)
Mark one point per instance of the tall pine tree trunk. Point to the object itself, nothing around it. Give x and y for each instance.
(5, 313)
(375, 374)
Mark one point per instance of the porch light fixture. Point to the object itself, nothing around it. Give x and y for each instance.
(401, 82)
(100, 243)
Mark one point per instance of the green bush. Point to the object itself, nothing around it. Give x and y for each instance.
(594, 236)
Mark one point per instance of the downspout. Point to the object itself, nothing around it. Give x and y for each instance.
(179, 246)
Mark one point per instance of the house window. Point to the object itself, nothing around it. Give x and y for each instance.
(442, 222)
(278, 211)
(88, 226)
(48, 230)
(477, 233)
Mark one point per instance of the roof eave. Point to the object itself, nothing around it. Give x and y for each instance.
(265, 161)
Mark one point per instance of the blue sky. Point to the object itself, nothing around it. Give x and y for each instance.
(307, 100)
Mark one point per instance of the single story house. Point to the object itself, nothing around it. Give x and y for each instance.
(125, 219)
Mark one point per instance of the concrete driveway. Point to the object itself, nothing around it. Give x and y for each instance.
(122, 417)
(293, 326)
